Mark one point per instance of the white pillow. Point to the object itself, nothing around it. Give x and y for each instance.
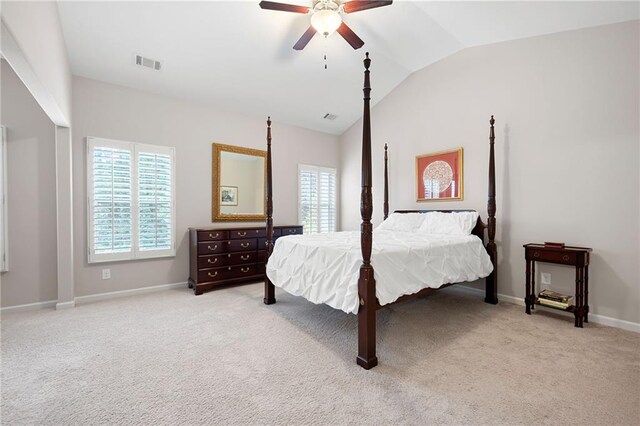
(403, 222)
(454, 223)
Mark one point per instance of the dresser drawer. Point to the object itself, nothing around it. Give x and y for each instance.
(248, 233)
(262, 255)
(291, 231)
(212, 235)
(229, 273)
(211, 275)
(262, 242)
(229, 259)
(242, 245)
(565, 257)
(240, 271)
(212, 247)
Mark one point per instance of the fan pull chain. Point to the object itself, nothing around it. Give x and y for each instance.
(325, 45)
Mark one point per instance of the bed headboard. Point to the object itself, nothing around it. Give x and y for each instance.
(478, 230)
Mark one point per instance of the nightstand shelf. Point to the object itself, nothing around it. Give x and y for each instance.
(570, 308)
(566, 255)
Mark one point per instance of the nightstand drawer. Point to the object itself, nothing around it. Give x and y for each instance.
(563, 257)
(212, 235)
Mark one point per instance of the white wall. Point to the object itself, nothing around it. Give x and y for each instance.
(35, 26)
(567, 137)
(115, 112)
(31, 194)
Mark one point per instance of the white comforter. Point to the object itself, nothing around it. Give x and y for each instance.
(324, 268)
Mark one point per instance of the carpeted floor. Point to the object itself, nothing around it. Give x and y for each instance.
(172, 358)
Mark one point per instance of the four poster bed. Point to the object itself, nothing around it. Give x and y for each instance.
(337, 268)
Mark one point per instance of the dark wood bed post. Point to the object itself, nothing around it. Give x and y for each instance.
(269, 288)
(491, 282)
(386, 183)
(366, 284)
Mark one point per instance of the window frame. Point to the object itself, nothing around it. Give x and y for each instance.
(134, 148)
(318, 170)
(4, 204)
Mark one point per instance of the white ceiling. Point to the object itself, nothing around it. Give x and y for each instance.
(237, 57)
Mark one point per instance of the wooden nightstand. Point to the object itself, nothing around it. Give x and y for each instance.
(573, 256)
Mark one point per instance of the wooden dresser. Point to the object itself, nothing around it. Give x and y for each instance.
(220, 256)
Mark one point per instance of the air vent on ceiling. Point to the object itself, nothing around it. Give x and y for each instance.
(148, 63)
(329, 116)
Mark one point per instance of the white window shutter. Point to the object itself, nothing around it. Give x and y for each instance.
(317, 198)
(155, 203)
(110, 206)
(131, 200)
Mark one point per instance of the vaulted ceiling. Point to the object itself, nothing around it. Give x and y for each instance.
(234, 56)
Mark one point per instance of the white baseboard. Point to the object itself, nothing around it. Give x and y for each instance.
(65, 305)
(125, 293)
(29, 307)
(596, 318)
(89, 298)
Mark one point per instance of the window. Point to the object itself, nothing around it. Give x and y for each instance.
(131, 200)
(4, 229)
(317, 198)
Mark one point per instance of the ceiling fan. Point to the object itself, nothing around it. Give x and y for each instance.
(326, 18)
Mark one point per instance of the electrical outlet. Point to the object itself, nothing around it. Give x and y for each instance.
(106, 274)
(545, 278)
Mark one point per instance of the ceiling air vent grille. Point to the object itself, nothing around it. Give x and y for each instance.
(329, 116)
(148, 63)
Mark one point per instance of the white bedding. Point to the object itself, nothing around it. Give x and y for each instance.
(324, 268)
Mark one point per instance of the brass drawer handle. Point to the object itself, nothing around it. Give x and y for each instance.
(565, 257)
(214, 236)
(215, 247)
(213, 275)
(536, 254)
(241, 234)
(214, 261)
(245, 270)
(244, 245)
(245, 257)
(292, 231)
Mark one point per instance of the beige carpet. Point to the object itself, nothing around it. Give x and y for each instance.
(225, 358)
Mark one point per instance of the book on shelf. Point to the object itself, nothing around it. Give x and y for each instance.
(553, 303)
(554, 296)
(553, 245)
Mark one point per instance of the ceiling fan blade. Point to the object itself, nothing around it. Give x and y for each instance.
(351, 37)
(305, 39)
(283, 7)
(356, 5)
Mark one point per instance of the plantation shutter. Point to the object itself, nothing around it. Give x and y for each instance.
(131, 200)
(317, 199)
(155, 200)
(110, 201)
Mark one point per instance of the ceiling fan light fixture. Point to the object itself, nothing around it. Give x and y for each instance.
(326, 21)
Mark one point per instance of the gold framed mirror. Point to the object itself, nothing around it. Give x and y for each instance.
(239, 183)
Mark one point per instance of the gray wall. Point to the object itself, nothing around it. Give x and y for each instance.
(35, 25)
(115, 112)
(31, 194)
(567, 137)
